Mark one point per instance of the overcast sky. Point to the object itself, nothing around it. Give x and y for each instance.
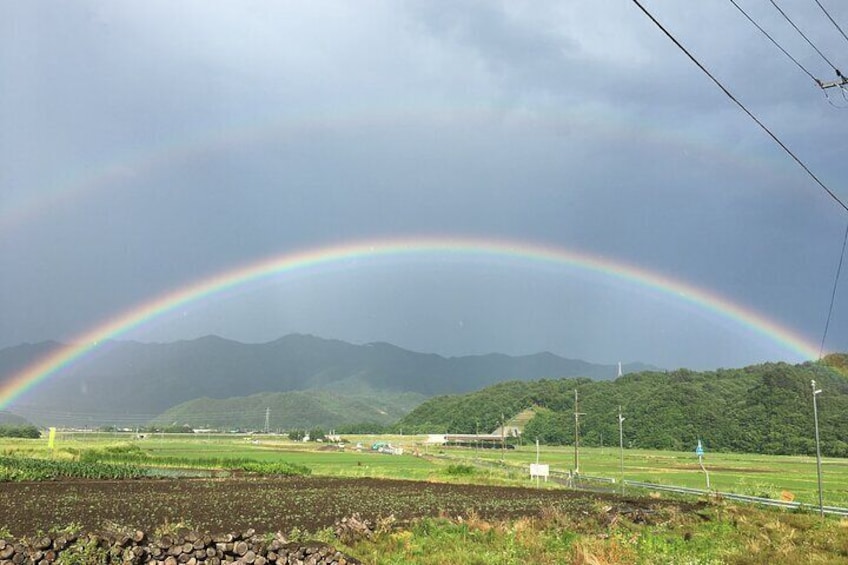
(148, 145)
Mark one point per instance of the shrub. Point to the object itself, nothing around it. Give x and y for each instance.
(460, 470)
(24, 431)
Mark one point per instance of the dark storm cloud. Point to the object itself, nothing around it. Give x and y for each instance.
(253, 129)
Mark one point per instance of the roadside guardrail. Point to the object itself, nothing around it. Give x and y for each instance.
(791, 505)
(583, 482)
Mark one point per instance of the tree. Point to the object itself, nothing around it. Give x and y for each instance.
(27, 431)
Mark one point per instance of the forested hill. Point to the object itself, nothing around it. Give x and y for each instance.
(121, 380)
(9, 419)
(292, 410)
(762, 408)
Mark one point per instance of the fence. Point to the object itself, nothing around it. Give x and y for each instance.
(835, 510)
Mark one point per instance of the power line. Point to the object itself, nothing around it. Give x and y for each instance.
(826, 13)
(775, 138)
(807, 39)
(828, 86)
(833, 292)
(742, 106)
(776, 44)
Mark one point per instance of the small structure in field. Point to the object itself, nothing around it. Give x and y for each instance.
(387, 448)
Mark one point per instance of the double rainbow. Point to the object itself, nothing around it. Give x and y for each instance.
(83, 344)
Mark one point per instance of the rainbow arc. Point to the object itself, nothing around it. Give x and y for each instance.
(281, 265)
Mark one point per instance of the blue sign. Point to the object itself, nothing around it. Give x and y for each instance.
(699, 451)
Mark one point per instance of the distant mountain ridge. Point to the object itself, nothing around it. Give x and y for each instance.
(9, 419)
(292, 410)
(135, 379)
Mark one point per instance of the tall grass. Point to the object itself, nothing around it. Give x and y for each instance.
(33, 469)
(715, 535)
(132, 454)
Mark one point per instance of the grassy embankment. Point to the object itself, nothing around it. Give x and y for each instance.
(720, 534)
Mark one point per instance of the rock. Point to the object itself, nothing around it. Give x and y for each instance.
(43, 543)
(186, 548)
(240, 548)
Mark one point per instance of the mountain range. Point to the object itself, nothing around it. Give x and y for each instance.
(9, 419)
(131, 382)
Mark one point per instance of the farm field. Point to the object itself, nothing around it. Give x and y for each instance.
(454, 505)
(751, 474)
(430, 523)
(272, 504)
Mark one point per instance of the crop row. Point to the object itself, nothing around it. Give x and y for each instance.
(121, 455)
(32, 469)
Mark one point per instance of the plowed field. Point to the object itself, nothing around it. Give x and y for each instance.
(278, 504)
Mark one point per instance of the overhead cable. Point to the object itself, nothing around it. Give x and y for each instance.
(776, 44)
(742, 106)
(826, 13)
(807, 39)
(833, 293)
(778, 141)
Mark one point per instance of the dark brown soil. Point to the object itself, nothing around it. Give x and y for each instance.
(271, 505)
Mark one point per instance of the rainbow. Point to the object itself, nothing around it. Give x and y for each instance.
(87, 181)
(396, 248)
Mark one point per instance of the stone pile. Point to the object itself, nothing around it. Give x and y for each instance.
(181, 548)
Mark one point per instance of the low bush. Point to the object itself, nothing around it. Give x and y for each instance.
(460, 470)
(25, 431)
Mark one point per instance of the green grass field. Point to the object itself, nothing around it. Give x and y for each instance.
(759, 475)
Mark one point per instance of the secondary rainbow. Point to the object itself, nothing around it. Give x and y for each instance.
(478, 248)
(88, 180)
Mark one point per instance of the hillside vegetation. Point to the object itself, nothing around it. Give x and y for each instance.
(289, 410)
(762, 408)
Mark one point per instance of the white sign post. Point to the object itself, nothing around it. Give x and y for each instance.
(538, 470)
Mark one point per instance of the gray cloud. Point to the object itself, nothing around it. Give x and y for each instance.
(149, 145)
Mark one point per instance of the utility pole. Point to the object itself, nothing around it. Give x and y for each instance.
(576, 435)
(621, 445)
(267, 419)
(816, 392)
(503, 438)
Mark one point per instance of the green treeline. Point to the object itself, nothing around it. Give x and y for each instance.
(24, 431)
(758, 409)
